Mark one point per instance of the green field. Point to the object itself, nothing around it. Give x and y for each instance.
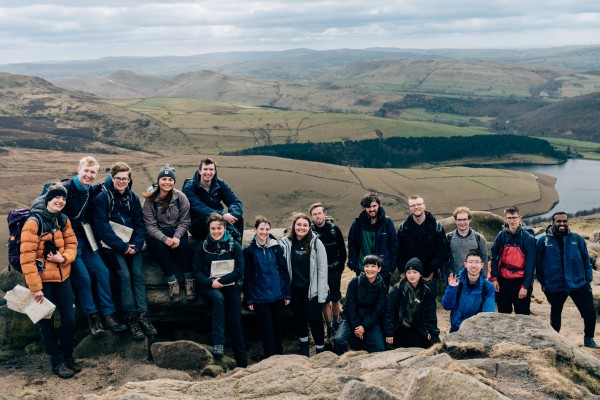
(589, 150)
(213, 126)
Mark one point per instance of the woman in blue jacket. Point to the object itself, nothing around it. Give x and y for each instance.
(118, 204)
(468, 293)
(218, 269)
(266, 285)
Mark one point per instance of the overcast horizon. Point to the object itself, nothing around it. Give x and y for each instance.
(36, 31)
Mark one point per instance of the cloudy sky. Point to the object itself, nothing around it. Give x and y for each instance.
(82, 29)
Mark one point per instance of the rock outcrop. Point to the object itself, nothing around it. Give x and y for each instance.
(492, 356)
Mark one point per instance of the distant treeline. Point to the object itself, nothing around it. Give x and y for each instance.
(505, 108)
(398, 152)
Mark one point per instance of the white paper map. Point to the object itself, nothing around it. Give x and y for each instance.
(21, 300)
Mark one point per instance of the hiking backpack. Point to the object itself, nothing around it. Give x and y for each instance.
(16, 219)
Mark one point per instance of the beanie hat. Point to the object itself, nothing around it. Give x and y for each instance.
(55, 192)
(167, 170)
(415, 264)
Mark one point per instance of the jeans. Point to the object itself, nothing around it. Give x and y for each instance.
(165, 256)
(61, 294)
(133, 288)
(344, 338)
(270, 321)
(508, 297)
(89, 263)
(307, 312)
(584, 301)
(226, 309)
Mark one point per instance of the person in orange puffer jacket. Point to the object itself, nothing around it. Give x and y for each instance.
(48, 247)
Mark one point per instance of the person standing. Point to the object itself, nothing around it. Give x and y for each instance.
(333, 240)
(468, 293)
(48, 248)
(463, 239)
(513, 265)
(207, 195)
(564, 270)
(266, 285)
(372, 233)
(167, 219)
(222, 290)
(117, 203)
(306, 259)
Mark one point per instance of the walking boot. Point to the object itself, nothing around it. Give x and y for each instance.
(95, 324)
(589, 342)
(134, 327)
(110, 322)
(63, 371)
(174, 291)
(190, 289)
(304, 349)
(72, 364)
(147, 327)
(218, 351)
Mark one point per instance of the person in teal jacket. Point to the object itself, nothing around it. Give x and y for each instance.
(468, 293)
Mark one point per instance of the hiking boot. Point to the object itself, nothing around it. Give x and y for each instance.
(218, 351)
(134, 327)
(95, 324)
(190, 289)
(72, 364)
(174, 291)
(304, 349)
(589, 342)
(63, 371)
(110, 322)
(319, 349)
(147, 327)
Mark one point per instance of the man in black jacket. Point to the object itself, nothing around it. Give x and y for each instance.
(421, 236)
(334, 243)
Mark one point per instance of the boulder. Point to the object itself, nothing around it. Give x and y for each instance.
(116, 343)
(356, 390)
(16, 330)
(181, 354)
(595, 236)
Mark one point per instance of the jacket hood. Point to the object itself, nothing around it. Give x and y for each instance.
(429, 219)
(463, 276)
(364, 283)
(550, 231)
(108, 182)
(271, 241)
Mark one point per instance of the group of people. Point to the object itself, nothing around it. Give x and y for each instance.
(301, 270)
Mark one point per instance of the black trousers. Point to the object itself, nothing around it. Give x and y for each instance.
(508, 297)
(307, 313)
(270, 321)
(409, 337)
(584, 301)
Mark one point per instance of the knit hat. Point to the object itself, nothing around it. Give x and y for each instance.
(167, 170)
(55, 192)
(415, 264)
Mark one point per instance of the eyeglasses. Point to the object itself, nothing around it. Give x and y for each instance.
(121, 179)
(415, 205)
(474, 262)
(512, 218)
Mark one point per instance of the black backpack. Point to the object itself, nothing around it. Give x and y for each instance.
(483, 294)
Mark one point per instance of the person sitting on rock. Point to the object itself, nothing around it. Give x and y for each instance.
(218, 268)
(48, 248)
(266, 285)
(468, 293)
(167, 219)
(409, 319)
(363, 309)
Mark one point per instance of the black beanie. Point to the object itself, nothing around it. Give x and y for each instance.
(414, 263)
(167, 170)
(52, 193)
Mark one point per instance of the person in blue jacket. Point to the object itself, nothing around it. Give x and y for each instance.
(564, 270)
(117, 203)
(468, 293)
(373, 233)
(266, 285)
(207, 195)
(219, 268)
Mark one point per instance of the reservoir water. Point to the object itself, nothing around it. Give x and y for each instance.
(577, 184)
